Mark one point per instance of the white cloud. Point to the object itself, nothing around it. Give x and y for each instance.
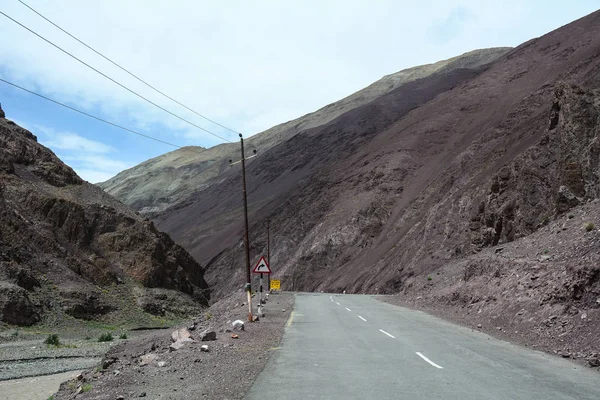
(93, 176)
(249, 64)
(74, 142)
(94, 161)
(93, 167)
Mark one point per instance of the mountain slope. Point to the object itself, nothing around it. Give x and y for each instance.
(391, 192)
(66, 247)
(164, 181)
(289, 182)
(407, 194)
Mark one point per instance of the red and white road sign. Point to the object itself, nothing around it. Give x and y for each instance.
(262, 267)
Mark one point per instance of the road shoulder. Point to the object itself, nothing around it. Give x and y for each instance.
(147, 367)
(519, 335)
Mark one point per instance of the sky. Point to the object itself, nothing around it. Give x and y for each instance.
(247, 64)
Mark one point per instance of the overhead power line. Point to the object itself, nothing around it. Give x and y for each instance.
(114, 81)
(127, 71)
(88, 115)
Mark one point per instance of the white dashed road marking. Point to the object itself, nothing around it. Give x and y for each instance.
(382, 331)
(348, 309)
(337, 303)
(429, 361)
(362, 318)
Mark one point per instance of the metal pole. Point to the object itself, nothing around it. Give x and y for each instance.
(269, 255)
(246, 239)
(260, 295)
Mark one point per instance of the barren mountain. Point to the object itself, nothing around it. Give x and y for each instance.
(68, 248)
(407, 194)
(161, 182)
(434, 171)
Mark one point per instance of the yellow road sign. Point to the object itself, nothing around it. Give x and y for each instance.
(275, 284)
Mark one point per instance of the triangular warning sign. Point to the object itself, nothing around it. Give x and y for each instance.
(262, 267)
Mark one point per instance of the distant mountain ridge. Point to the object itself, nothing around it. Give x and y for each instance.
(159, 183)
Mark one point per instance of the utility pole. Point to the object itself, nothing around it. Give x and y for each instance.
(269, 254)
(248, 286)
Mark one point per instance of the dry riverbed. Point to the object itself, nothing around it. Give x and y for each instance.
(33, 388)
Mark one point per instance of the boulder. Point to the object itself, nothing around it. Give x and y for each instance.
(179, 334)
(16, 307)
(238, 325)
(208, 335)
(180, 343)
(148, 359)
(204, 348)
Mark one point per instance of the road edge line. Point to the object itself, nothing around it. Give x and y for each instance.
(290, 319)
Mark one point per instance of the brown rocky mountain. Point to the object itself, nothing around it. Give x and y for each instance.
(68, 248)
(472, 189)
(471, 192)
(419, 179)
(161, 182)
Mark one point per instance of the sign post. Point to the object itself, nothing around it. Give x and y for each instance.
(262, 267)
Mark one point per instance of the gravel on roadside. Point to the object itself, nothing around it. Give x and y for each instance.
(147, 367)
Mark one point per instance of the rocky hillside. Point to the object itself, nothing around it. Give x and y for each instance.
(162, 182)
(432, 172)
(68, 248)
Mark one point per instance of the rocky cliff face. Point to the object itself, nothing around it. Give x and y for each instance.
(167, 180)
(68, 247)
(558, 173)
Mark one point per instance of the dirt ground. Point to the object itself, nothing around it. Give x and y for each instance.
(146, 367)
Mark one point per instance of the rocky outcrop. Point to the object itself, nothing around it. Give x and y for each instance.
(16, 306)
(65, 244)
(559, 173)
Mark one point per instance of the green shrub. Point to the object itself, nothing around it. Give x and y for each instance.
(86, 387)
(589, 226)
(106, 337)
(208, 315)
(429, 278)
(52, 340)
(123, 336)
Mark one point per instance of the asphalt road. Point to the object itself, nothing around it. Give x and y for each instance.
(356, 347)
